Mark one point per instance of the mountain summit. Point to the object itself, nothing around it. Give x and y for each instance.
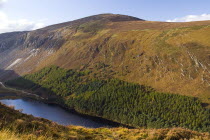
(101, 17)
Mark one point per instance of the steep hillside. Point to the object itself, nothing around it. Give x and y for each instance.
(170, 57)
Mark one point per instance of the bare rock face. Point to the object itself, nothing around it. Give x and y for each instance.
(20, 48)
(171, 57)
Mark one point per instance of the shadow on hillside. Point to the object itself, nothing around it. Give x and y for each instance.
(7, 75)
(29, 86)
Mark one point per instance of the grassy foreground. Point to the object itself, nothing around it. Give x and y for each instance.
(120, 133)
(17, 126)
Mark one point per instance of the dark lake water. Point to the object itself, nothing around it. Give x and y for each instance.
(53, 113)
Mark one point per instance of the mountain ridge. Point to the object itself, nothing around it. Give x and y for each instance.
(105, 17)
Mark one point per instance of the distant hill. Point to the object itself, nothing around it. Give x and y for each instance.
(170, 57)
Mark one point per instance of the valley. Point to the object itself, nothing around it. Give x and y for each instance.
(151, 76)
(126, 103)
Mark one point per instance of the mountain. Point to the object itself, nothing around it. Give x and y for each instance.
(170, 57)
(23, 51)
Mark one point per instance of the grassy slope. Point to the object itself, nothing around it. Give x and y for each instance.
(171, 57)
(116, 100)
(17, 126)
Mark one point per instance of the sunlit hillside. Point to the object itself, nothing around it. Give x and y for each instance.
(170, 57)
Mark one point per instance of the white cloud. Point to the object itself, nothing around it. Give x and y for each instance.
(191, 18)
(2, 2)
(9, 25)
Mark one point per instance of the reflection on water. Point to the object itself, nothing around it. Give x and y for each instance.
(52, 112)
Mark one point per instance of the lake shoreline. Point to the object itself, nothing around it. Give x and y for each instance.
(94, 118)
(20, 94)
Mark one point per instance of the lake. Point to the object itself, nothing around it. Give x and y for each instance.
(54, 113)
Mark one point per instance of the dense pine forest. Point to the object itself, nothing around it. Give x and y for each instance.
(127, 103)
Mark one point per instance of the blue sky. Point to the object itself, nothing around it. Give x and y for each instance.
(38, 13)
